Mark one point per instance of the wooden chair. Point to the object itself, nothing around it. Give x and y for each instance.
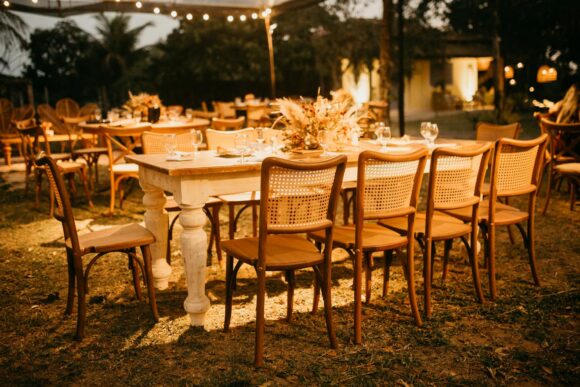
(485, 131)
(224, 109)
(251, 199)
(387, 187)
(68, 126)
(563, 149)
(455, 180)
(8, 135)
(516, 169)
(227, 123)
(258, 115)
(88, 110)
(67, 107)
(123, 239)
(34, 140)
(297, 197)
(120, 142)
(155, 143)
(175, 109)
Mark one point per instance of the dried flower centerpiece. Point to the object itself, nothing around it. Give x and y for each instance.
(304, 120)
(141, 103)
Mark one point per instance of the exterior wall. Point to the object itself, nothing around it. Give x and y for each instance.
(464, 73)
(418, 88)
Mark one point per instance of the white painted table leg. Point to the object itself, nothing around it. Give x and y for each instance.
(157, 221)
(193, 249)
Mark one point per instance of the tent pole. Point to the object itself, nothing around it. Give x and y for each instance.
(271, 55)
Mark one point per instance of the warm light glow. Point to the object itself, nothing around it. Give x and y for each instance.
(173, 13)
(266, 12)
(508, 72)
(156, 10)
(254, 16)
(230, 18)
(6, 3)
(532, 89)
(205, 17)
(520, 65)
(546, 74)
(189, 16)
(138, 4)
(483, 63)
(35, 1)
(243, 18)
(512, 82)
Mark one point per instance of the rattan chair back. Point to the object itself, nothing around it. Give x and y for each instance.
(157, 142)
(49, 115)
(219, 138)
(88, 110)
(492, 132)
(224, 109)
(227, 123)
(67, 107)
(564, 140)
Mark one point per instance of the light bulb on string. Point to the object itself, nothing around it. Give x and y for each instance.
(156, 10)
(230, 18)
(205, 17)
(138, 4)
(254, 15)
(189, 16)
(174, 13)
(243, 18)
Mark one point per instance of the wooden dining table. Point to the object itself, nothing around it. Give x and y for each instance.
(177, 126)
(192, 183)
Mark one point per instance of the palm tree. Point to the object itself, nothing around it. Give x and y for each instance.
(12, 34)
(117, 51)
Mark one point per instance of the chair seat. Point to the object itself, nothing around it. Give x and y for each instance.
(375, 237)
(504, 214)
(88, 151)
(70, 166)
(61, 156)
(114, 238)
(283, 252)
(126, 168)
(568, 169)
(241, 198)
(443, 226)
(348, 185)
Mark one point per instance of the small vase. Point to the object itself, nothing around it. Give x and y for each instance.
(153, 114)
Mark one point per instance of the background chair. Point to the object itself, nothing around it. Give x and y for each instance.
(485, 131)
(516, 170)
(297, 197)
(563, 149)
(227, 123)
(67, 107)
(455, 180)
(88, 110)
(123, 239)
(387, 186)
(224, 109)
(155, 143)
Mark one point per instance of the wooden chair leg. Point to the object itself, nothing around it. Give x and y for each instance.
(388, 261)
(70, 297)
(409, 266)
(427, 276)
(532, 250)
(135, 271)
(447, 250)
(83, 178)
(170, 238)
(260, 318)
(316, 295)
(357, 258)
(474, 266)
(368, 276)
(81, 307)
(549, 190)
(232, 221)
(291, 285)
(345, 207)
(324, 279)
(8, 154)
(229, 291)
(491, 262)
(146, 251)
(217, 234)
(254, 220)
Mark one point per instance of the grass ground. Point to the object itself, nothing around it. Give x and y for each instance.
(529, 336)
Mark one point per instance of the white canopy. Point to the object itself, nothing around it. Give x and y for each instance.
(229, 7)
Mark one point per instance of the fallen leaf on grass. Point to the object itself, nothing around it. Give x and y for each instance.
(547, 370)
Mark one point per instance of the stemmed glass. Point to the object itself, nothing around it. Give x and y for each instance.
(383, 134)
(429, 132)
(196, 141)
(171, 145)
(241, 143)
(323, 140)
(98, 114)
(260, 135)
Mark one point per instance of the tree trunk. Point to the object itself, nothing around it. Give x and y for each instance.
(401, 38)
(498, 76)
(386, 64)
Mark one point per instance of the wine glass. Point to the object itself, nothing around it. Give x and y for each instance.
(429, 132)
(275, 143)
(196, 141)
(171, 145)
(383, 134)
(260, 135)
(188, 114)
(323, 140)
(98, 114)
(241, 143)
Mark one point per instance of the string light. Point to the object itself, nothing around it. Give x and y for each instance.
(532, 89)
(266, 12)
(243, 18)
(520, 65)
(230, 18)
(254, 16)
(512, 82)
(205, 17)
(156, 10)
(35, 1)
(138, 4)
(174, 13)
(6, 3)
(189, 16)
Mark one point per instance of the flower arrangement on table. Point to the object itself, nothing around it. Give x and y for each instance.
(140, 103)
(303, 120)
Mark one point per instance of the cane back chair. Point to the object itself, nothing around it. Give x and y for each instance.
(156, 143)
(67, 107)
(455, 181)
(123, 239)
(516, 170)
(224, 109)
(387, 187)
(563, 156)
(297, 197)
(228, 123)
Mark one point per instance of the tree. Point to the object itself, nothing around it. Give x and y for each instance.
(60, 61)
(12, 34)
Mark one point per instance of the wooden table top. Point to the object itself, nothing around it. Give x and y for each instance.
(159, 127)
(208, 162)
